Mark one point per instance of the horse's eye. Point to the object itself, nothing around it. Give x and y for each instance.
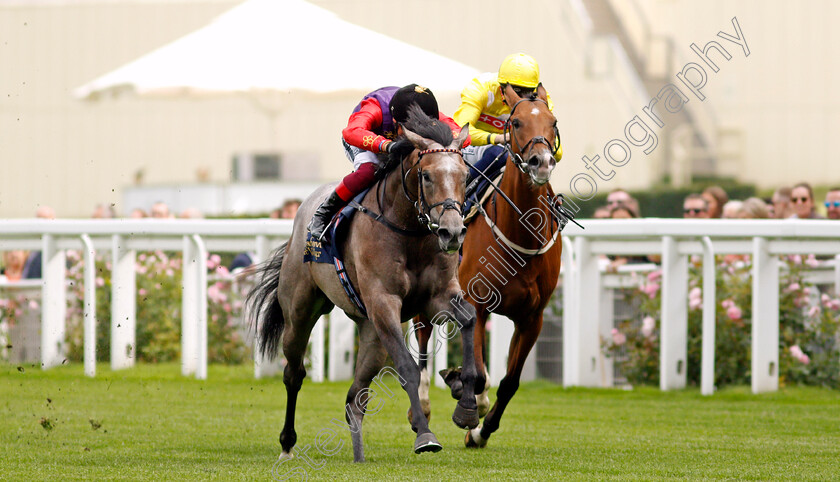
(426, 177)
(516, 123)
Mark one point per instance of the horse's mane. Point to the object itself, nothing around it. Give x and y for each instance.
(422, 125)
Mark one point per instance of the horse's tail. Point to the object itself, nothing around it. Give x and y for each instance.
(262, 302)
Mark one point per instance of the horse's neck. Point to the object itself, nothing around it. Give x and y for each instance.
(515, 184)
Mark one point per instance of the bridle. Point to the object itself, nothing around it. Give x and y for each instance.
(509, 128)
(424, 209)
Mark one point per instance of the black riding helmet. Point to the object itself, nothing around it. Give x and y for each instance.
(413, 94)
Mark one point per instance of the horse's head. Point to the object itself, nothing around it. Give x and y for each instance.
(438, 175)
(533, 134)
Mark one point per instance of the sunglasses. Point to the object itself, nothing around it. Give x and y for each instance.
(693, 211)
(836, 204)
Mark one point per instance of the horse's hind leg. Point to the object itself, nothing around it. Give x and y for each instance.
(295, 340)
(370, 361)
(524, 338)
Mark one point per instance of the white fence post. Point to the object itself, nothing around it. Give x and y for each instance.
(570, 317)
(707, 364)
(765, 319)
(201, 298)
(123, 304)
(581, 332)
(90, 306)
(53, 302)
(189, 309)
(316, 353)
(342, 338)
(441, 345)
(674, 323)
(501, 332)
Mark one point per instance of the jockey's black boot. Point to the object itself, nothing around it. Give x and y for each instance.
(324, 214)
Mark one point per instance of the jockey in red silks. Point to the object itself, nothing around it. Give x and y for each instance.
(372, 126)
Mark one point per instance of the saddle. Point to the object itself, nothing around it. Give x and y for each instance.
(328, 250)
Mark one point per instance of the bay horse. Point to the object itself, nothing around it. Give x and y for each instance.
(511, 258)
(402, 256)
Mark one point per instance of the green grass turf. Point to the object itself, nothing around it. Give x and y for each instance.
(158, 425)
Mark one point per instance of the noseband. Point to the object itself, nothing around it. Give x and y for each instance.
(511, 129)
(424, 209)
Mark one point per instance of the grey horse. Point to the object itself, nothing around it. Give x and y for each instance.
(402, 257)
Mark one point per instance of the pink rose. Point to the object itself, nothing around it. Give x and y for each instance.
(654, 276)
(797, 259)
(648, 325)
(618, 337)
(141, 292)
(100, 282)
(797, 353)
(651, 289)
(814, 311)
(695, 298)
(734, 313)
(793, 287)
(33, 305)
(727, 303)
(812, 261)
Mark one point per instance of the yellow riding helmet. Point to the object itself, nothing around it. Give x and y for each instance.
(521, 70)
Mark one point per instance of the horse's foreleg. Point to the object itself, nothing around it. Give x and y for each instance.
(524, 338)
(466, 413)
(385, 315)
(481, 385)
(371, 360)
(422, 327)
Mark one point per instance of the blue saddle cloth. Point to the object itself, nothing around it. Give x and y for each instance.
(328, 250)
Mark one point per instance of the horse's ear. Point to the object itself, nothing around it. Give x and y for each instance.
(510, 95)
(419, 141)
(462, 138)
(541, 93)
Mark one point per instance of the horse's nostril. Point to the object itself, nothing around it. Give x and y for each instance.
(464, 231)
(444, 233)
(534, 162)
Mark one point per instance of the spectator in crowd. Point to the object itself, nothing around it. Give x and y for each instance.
(289, 208)
(803, 202)
(754, 208)
(732, 209)
(32, 268)
(832, 203)
(782, 206)
(602, 212)
(103, 211)
(622, 211)
(618, 197)
(13, 264)
(160, 210)
(138, 213)
(695, 206)
(716, 197)
(191, 213)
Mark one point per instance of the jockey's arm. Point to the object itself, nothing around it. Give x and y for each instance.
(359, 127)
(473, 100)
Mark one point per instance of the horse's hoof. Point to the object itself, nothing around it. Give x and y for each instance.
(452, 377)
(473, 439)
(465, 417)
(427, 442)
